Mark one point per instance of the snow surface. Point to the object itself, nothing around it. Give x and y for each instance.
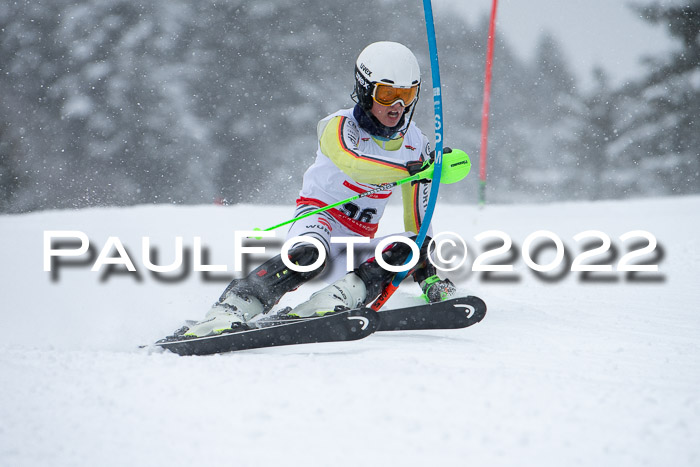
(562, 372)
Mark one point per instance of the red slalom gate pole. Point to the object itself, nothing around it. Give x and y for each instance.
(485, 109)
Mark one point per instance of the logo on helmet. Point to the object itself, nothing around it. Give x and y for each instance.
(364, 68)
(361, 80)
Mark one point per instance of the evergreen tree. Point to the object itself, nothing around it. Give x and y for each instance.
(108, 102)
(660, 115)
(596, 131)
(549, 170)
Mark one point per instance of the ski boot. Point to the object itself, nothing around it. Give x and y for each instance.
(344, 294)
(357, 288)
(437, 290)
(229, 314)
(257, 293)
(434, 289)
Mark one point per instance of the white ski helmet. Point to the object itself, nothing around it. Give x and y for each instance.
(387, 65)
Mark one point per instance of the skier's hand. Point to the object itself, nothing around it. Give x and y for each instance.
(415, 167)
(425, 168)
(445, 150)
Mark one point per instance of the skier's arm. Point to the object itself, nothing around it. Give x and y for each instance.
(339, 137)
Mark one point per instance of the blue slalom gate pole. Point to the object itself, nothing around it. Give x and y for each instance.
(439, 124)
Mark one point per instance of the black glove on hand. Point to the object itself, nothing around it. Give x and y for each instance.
(417, 166)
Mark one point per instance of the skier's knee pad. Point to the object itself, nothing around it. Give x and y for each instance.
(375, 277)
(306, 255)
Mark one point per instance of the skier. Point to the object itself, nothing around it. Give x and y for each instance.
(373, 143)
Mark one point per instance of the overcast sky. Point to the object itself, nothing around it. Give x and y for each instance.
(591, 32)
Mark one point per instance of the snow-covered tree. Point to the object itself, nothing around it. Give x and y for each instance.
(659, 116)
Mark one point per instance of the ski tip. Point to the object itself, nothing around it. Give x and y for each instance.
(455, 313)
(479, 302)
(150, 348)
(367, 318)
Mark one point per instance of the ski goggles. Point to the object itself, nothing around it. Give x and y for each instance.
(386, 94)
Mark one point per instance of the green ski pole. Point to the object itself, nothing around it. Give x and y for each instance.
(456, 165)
(386, 186)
